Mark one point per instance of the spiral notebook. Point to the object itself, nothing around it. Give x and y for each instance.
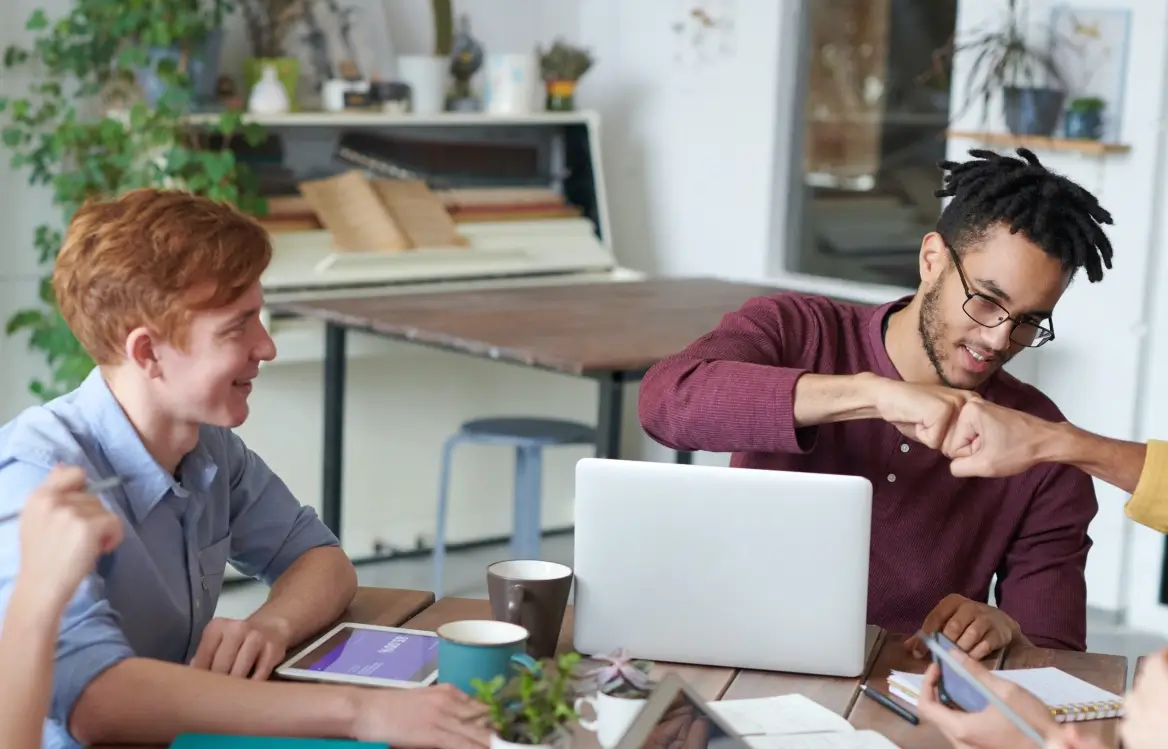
(1069, 698)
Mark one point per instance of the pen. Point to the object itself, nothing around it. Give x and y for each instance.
(887, 702)
(93, 487)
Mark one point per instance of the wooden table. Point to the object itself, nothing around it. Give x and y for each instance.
(417, 610)
(609, 332)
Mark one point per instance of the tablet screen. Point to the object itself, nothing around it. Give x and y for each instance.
(374, 653)
(685, 724)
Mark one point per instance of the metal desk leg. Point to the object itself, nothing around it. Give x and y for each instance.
(608, 422)
(334, 424)
(684, 458)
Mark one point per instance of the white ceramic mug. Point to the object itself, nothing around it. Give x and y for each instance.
(614, 715)
(512, 82)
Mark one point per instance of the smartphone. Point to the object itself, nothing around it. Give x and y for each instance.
(961, 690)
(953, 690)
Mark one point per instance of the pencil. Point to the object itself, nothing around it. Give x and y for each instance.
(888, 703)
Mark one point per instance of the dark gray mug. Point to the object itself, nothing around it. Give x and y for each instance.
(534, 595)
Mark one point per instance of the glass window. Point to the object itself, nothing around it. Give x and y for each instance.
(875, 109)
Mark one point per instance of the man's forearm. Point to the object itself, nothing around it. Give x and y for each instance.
(825, 399)
(145, 701)
(26, 658)
(1117, 462)
(310, 595)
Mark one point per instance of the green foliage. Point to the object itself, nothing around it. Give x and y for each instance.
(1087, 104)
(536, 704)
(563, 62)
(443, 27)
(75, 136)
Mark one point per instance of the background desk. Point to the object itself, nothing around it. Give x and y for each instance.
(610, 332)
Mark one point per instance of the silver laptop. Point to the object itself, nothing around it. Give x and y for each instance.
(721, 566)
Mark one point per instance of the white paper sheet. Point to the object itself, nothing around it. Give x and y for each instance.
(784, 715)
(831, 740)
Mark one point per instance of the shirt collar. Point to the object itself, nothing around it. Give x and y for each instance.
(146, 482)
(878, 352)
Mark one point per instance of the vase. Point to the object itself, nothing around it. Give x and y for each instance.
(1086, 125)
(426, 75)
(268, 95)
(500, 743)
(614, 715)
(512, 82)
(561, 96)
(287, 68)
(1032, 111)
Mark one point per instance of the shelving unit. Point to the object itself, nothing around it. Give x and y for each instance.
(1039, 142)
(350, 118)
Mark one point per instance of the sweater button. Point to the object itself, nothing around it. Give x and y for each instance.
(891, 477)
(904, 448)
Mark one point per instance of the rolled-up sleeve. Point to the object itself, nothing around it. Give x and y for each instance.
(90, 639)
(270, 529)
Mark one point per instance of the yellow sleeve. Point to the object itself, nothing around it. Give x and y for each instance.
(1149, 503)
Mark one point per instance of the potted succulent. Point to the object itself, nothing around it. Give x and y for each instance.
(1032, 85)
(561, 68)
(536, 706)
(268, 24)
(622, 686)
(1084, 119)
(427, 75)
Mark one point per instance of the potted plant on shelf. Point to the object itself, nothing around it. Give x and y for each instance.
(427, 75)
(1005, 61)
(561, 68)
(269, 22)
(1084, 119)
(82, 129)
(535, 707)
(622, 686)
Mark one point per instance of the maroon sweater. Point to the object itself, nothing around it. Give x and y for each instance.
(932, 534)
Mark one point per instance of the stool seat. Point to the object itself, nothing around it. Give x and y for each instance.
(528, 435)
(532, 429)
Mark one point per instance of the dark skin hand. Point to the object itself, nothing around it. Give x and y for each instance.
(976, 628)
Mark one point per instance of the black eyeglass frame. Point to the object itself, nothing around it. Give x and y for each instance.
(1044, 335)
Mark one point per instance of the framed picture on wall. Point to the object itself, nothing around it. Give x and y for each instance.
(1090, 47)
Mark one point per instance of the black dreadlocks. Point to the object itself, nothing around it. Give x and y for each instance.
(1056, 214)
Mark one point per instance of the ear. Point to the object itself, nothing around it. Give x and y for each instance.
(142, 352)
(934, 258)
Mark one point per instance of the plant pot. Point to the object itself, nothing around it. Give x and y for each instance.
(1032, 111)
(614, 715)
(500, 743)
(427, 76)
(561, 96)
(1083, 125)
(202, 67)
(287, 69)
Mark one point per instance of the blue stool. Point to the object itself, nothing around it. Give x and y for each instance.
(528, 435)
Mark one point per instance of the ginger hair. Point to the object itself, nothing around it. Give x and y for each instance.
(150, 258)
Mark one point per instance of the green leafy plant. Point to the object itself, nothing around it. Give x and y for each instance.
(1087, 105)
(536, 705)
(619, 675)
(1003, 57)
(563, 62)
(82, 130)
(443, 27)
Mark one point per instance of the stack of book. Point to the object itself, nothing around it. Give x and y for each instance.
(505, 204)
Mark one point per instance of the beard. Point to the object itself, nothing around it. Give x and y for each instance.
(931, 329)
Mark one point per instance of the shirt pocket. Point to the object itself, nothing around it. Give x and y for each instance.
(212, 565)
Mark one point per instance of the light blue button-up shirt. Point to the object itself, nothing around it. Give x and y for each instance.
(155, 593)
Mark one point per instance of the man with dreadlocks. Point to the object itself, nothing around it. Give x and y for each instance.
(805, 383)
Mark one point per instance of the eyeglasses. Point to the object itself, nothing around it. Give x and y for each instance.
(985, 311)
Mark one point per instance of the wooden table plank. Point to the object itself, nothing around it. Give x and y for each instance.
(867, 714)
(388, 607)
(1104, 671)
(575, 328)
(836, 694)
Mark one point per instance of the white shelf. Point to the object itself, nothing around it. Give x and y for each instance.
(382, 119)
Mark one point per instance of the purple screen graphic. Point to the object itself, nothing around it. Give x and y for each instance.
(383, 655)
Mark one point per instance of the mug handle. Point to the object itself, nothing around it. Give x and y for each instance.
(514, 604)
(586, 724)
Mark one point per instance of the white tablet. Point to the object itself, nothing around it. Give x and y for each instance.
(368, 655)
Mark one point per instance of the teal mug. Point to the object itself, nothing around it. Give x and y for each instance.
(477, 649)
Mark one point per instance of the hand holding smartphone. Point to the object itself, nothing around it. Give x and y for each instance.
(960, 690)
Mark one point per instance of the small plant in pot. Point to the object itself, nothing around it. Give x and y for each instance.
(561, 68)
(1005, 60)
(1084, 119)
(622, 685)
(536, 706)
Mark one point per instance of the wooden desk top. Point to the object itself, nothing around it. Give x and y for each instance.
(886, 652)
(576, 329)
